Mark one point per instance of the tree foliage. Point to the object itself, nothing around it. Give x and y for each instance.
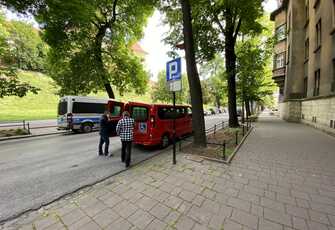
(254, 54)
(217, 25)
(90, 44)
(26, 49)
(11, 86)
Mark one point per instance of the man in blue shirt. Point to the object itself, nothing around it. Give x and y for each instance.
(125, 129)
(104, 133)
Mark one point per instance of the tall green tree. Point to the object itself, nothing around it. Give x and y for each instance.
(215, 73)
(9, 83)
(91, 40)
(217, 25)
(26, 50)
(179, 15)
(254, 60)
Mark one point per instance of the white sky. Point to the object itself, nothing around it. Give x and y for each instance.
(152, 42)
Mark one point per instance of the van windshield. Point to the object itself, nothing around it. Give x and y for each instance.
(62, 107)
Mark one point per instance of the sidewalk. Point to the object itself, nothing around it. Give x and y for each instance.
(282, 178)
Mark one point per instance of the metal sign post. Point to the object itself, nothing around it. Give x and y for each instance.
(173, 79)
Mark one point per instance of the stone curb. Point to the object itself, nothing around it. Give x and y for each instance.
(29, 136)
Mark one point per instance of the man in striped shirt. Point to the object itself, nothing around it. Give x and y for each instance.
(125, 129)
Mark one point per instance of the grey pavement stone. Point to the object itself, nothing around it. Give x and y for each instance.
(106, 217)
(272, 204)
(77, 225)
(319, 217)
(56, 226)
(187, 195)
(95, 208)
(160, 211)
(172, 218)
(121, 224)
(90, 226)
(299, 223)
(140, 219)
(216, 222)
(245, 218)
(296, 211)
(302, 203)
(277, 217)
(268, 225)
(72, 217)
(184, 223)
(315, 225)
(239, 204)
(146, 203)
(45, 222)
(156, 225)
(249, 197)
(125, 209)
(332, 219)
(231, 225)
(257, 210)
(199, 215)
(210, 206)
(198, 200)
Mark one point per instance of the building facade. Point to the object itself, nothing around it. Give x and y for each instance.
(304, 61)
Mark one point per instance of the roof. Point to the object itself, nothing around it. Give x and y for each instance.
(279, 10)
(136, 47)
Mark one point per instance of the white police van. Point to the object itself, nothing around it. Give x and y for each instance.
(79, 113)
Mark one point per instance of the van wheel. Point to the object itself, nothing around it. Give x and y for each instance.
(86, 128)
(165, 141)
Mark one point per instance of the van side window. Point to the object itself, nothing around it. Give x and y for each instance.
(189, 111)
(84, 107)
(140, 113)
(116, 112)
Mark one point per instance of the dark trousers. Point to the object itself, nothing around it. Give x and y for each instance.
(126, 152)
(103, 140)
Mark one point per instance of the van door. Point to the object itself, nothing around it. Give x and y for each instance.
(116, 109)
(140, 113)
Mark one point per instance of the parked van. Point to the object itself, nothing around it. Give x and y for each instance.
(154, 122)
(79, 113)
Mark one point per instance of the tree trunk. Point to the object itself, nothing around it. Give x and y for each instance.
(198, 121)
(231, 72)
(247, 107)
(218, 101)
(99, 62)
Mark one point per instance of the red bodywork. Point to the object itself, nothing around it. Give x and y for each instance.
(154, 121)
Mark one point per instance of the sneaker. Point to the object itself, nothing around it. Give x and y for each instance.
(111, 155)
(100, 154)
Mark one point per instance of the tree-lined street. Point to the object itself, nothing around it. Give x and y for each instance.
(38, 170)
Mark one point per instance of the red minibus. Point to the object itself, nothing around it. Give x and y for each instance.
(154, 122)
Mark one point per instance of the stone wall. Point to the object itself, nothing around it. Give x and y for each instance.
(291, 111)
(319, 113)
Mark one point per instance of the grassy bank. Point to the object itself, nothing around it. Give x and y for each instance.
(44, 104)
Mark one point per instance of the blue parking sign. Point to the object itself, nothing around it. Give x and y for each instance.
(173, 70)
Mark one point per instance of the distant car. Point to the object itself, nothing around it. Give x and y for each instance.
(212, 111)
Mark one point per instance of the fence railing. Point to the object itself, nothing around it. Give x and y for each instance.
(23, 125)
(214, 129)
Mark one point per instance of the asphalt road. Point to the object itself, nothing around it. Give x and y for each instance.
(37, 170)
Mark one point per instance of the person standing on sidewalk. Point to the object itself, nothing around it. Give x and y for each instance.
(125, 129)
(104, 133)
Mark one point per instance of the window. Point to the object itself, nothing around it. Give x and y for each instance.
(140, 113)
(166, 113)
(281, 33)
(318, 35)
(280, 60)
(116, 112)
(306, 49)
(305, 86)
(317, 83)
(84, 107)
(62, 108)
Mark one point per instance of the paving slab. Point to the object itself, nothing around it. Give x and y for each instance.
(282, 178)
